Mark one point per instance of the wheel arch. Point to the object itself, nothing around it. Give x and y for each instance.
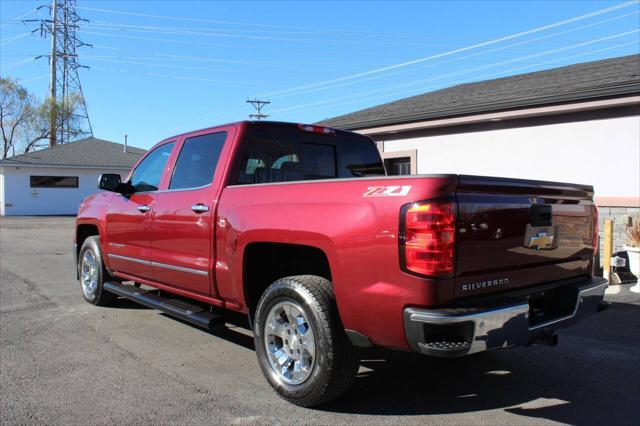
(266, 262)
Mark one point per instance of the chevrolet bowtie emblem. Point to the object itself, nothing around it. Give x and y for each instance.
(541, 241)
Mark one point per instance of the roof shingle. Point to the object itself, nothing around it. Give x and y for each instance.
(89, 152)
(589, 80)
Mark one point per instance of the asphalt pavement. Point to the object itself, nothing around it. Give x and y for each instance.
(63, 361)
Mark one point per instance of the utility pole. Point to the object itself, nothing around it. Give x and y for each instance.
(258, 104)
(53, 119)
(65, 81)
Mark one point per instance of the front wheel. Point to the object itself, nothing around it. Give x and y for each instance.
(300, 341)
(93, 274)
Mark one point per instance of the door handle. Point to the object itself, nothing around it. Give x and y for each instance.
(144, 208)
(200, 208)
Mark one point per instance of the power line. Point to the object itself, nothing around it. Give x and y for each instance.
(9, 40)
(196, 43)
(17, 18)
(313, 32)
(454, 51)
(144, 61)
(211, 21)
(29, 80)
(173, 76)
(279, 49)
(393, 88)
(472, 55)
(15, 64)
(230, 34)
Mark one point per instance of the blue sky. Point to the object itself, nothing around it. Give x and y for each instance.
(159, 68)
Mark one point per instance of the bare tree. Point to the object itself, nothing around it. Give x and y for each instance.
(16, 109)
(24, 120)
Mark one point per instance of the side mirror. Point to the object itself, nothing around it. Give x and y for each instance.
(109, 182)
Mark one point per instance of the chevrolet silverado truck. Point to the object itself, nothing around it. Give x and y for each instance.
(299, 228)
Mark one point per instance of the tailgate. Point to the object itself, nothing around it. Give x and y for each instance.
(515, 233)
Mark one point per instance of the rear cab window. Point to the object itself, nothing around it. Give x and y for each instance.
(285, 153)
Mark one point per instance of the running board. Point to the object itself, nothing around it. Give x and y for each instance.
(186, 311)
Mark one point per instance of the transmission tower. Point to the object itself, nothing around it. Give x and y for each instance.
(258, 104)
(63, 62)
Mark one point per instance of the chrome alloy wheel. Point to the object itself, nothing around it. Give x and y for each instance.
(290, 342)
(89, 274)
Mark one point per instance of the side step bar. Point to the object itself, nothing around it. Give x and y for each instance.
(186, 311)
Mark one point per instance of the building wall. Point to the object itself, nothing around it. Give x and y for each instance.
(21, 199)
(1, 191)
(603, 153)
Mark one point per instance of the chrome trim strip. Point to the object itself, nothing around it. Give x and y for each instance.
(196, 188)
(180, 268)
(160, 265)
(130, 259)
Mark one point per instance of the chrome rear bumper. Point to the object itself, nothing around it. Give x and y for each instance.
(462, 331)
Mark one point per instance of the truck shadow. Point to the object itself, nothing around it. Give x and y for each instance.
(590, 378)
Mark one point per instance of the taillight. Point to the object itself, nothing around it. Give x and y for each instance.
(427, 238)
(316, 129)
(596, 245)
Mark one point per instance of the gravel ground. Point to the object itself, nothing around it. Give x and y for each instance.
(63, 361)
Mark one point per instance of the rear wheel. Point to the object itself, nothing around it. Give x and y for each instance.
(93, 274)
(300, 341)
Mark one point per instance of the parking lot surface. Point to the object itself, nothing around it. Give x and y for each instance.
(64, 361)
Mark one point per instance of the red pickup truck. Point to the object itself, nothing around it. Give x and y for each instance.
(299, 228)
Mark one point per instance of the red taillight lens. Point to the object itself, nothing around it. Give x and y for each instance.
(316, 129)
(596, 229)
(429, 237)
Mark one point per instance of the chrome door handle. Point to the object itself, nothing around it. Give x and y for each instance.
(144, 208)
(199, 208)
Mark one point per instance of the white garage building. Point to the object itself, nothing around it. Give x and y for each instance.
(579, 123)
(53, 181)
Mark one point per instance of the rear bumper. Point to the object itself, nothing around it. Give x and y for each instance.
(502, 323)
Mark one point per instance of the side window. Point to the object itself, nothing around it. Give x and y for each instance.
(146, 177)
(197, 161)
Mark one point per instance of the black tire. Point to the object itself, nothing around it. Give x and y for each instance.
(99, 296)
(336, 359)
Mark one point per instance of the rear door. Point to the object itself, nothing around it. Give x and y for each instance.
(182, 227)
(128, 218)
(514, 233)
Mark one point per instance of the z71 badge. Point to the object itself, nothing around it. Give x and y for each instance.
(387, 191)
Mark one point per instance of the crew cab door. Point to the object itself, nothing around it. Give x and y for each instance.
(128, 218)
(183, 222)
